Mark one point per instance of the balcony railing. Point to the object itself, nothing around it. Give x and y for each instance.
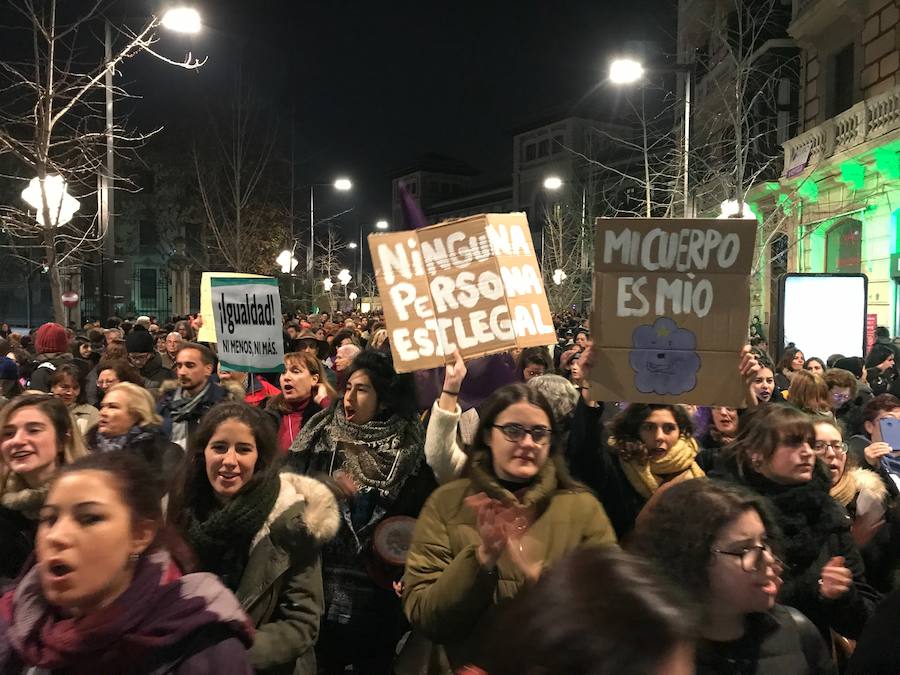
(863, 122)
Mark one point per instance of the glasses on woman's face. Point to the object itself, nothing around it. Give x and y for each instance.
(837, 447)
(753, 557)
(516, 432)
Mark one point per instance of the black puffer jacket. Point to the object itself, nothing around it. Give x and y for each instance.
(814, 529)
(776, 643)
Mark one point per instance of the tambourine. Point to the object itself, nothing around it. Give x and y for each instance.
(392, 539)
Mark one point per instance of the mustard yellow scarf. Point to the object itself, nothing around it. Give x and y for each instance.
(845, 489)
(679, 460)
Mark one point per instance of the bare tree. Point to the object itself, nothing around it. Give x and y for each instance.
(231, 164)
(52, 122)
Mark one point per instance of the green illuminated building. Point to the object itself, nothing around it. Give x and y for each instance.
(836, 207)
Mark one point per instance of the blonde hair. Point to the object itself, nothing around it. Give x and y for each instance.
(378, 338)
(314, 366)
(70, 445)
(140, 402)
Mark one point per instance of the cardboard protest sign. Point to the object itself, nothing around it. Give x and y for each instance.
(247, 319)
(472, 284)
(207, 331)
(671, 309)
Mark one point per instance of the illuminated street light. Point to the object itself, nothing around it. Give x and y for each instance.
(352, 244)
(552, 183)
(730, 209)
(328, 283)
(182, 20)
(559, 276)
(343, 184)
(382, 225)
(353, 296)
(625, 71)
(344, 277)
(286, 261)
(61, 205)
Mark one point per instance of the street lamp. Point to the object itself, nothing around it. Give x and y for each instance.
(177, 19)
(625, 71)
(559, 276)
(341, 185)
(382, 225)
(286, 261)
(628, 71)
(61, 206)
(182, 20)
(552, 183)
(730, 209)
(352, 244)
(328, 284)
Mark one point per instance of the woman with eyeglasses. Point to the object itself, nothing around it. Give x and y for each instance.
(824, 576)
(865, 497)
(480, 539)
(713, 541)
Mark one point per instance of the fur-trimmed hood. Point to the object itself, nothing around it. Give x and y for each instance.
(305, 513)
(870, 483)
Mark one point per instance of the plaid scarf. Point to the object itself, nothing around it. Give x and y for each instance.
(160, 608)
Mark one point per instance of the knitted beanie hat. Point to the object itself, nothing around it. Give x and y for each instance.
(51, 338)
(139, 341)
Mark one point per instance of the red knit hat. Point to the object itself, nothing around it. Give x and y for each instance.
(51, 338)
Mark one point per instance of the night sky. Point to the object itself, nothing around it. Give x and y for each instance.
(375, 84)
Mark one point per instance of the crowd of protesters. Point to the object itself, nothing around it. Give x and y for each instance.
(160, 513)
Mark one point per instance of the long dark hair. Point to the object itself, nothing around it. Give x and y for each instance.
(141, 490)
(678, 532)
(192, 494)
(595, 612)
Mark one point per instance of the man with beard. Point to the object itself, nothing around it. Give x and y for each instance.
(188, 398)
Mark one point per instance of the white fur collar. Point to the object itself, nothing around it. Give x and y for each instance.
(321, 517)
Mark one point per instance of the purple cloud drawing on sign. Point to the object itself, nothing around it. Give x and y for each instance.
(664, 358)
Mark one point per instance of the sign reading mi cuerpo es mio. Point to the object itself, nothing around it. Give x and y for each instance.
(471, 284)
(248, 323)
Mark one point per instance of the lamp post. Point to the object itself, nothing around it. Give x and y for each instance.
(379, 225)
(342, 184)
(629, 71)
(177, 19)
(551, 183)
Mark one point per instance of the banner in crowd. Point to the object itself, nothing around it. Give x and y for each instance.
(207, 331)
(472, 284)
(672, 309)
(248, 324)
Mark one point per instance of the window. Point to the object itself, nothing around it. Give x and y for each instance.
(842, 80)
(147, 287)
(843, 247)
(544, 148)
(530, 152)
(146, 235)
(558, 142)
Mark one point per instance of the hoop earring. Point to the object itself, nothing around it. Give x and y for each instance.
(133, 558)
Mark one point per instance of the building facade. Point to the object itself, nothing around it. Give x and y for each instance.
(836, 205)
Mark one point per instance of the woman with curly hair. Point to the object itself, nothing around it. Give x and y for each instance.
(715, 543)
(649, 445)
(372, 441)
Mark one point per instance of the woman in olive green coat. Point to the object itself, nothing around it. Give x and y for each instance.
(260, 530)
(480, 539)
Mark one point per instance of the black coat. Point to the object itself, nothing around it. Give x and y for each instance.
(814, 529)
(154, 373)
(592, 462)
(216, 393)
(17, 537)
(877, 650)
(777, 643)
